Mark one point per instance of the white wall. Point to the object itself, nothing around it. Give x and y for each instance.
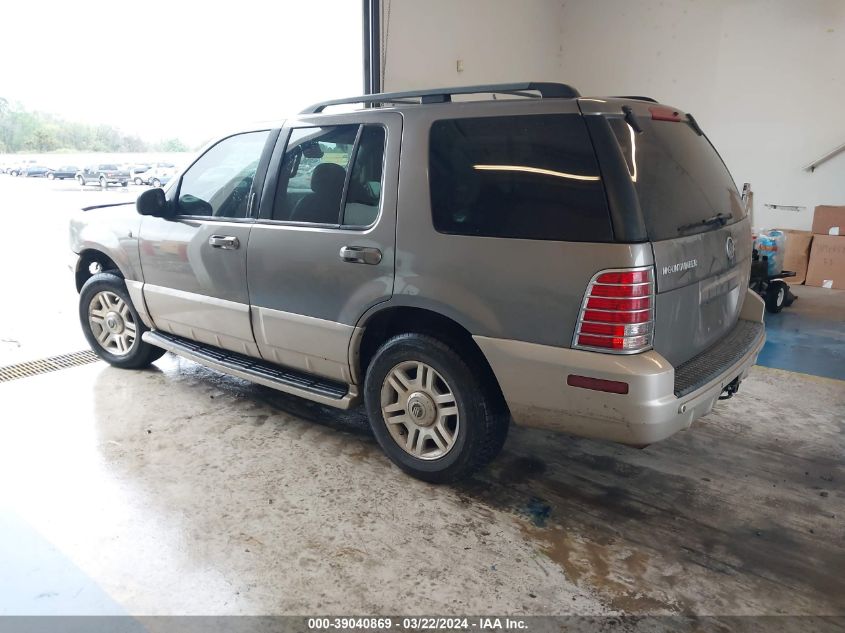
(764, 78)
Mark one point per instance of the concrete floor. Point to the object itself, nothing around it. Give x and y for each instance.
(180, 491)
(176, 490)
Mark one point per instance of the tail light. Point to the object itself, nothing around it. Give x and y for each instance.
(617, 314)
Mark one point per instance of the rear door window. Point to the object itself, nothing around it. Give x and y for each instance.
(531, 177)
(680, 179)
(331, 176)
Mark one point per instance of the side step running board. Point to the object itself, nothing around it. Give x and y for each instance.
(297, 383)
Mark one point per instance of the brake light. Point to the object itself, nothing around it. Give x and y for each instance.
(659, 113)
(617, 314)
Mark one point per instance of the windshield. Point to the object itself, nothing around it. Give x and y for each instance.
(683, 186)
(108, 167)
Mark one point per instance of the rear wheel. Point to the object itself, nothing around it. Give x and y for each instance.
(50, 176)
(776, 296)
(112, 325)
(431, 411)
(81, 180)
(156, 182)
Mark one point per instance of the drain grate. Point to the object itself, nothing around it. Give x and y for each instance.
(44, 365)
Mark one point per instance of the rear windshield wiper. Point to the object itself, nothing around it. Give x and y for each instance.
(720, 218)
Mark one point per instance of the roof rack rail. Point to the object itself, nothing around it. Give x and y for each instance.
(444, 95)
(635, 98)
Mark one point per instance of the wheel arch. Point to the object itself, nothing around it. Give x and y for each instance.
(382, 324)
(85, 266)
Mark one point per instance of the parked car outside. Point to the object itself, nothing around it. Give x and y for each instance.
(160, 174)
(136, 173)
(19, 169)
(36, 171)
(572, 264)
(63, 172)
(103, 174)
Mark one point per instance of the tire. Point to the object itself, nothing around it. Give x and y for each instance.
(776, 296)
(103, 183)
(138, 181)
(124, 184)
(81, 180)
(51, 176)
(470, 422)
(104, 299)
(155, 182)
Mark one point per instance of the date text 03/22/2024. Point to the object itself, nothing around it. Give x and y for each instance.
(418, 623)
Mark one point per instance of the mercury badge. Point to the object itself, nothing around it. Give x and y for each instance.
(730, 249)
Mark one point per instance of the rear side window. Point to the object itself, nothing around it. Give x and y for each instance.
(680, 179)
(331, 175)
(531, 177)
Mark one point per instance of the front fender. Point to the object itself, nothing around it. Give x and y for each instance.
(111, 230)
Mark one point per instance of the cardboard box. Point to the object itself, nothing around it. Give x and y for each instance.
(827, 262)
(829, 220)
(797, 256)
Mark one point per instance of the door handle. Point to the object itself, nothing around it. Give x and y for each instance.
(360, 255)
(226, 242)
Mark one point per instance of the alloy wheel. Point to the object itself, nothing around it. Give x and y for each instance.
(112, 323)
(420, 410)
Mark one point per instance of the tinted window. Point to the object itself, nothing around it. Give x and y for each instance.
(533, 177)
(219, 183)
(679, 178)
(364, 190)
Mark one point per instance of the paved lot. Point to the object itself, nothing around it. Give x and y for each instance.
(38, 303)
(177, 490)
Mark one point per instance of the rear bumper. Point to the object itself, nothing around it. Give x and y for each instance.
(533, 379)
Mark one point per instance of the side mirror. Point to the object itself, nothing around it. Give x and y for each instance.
(152, 202)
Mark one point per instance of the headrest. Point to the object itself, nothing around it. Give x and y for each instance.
(328, 179)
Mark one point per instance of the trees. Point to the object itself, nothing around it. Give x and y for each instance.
(172, 145)
(28, 131)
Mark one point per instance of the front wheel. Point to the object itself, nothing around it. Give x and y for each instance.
(112, 325)
(431, 410)
(50, 176)
(80, 180)
(156, 182)
(138, 181)
(103, 183)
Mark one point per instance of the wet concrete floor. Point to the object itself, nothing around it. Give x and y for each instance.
(178, 490)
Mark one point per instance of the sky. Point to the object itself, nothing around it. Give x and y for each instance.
(183, 68)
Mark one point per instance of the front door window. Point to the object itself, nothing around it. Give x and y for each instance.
(219, 184)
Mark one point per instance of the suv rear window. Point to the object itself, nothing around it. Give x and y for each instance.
(532, 177)
(679, 177)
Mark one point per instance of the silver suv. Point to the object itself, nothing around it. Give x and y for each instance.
(578, 264)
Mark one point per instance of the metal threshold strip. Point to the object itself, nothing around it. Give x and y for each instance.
(46, 365)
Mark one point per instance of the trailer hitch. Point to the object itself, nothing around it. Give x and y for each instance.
(730, 389)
